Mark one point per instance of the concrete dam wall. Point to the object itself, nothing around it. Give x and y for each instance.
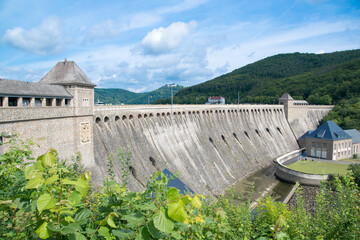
(307, 118)
(210, 146)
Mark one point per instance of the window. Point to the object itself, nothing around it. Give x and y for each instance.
(38, 102)
(318, 150)
(58, 102)
(49, 102)
(1, 101)
(13, 101)
(323, 150)
(26, 102)
(67, 102)
(313, 149)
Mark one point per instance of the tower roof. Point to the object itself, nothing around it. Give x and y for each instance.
(31, 89)
(286, 96)
(66, 73)
(329, 131)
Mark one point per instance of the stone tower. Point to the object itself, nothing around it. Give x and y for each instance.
(69, 75)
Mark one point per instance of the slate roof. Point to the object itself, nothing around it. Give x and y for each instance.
(31, 89)
(286, 96)
(355, 134)
(329, 131)
(66, 73)
(306, 134)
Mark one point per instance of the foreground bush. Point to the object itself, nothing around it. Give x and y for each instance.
(46, 199)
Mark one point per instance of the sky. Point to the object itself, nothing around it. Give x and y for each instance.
(141, 45)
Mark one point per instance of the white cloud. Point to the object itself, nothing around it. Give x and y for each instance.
(44, 40)
(320, 52)
(162, 40)
(137, 90)
(105, 29)
(113, 28)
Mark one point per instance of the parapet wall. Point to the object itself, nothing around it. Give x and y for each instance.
(210, 146)
(293, 176)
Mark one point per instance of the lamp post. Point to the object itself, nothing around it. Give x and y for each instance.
(172, 97)
(149, 97)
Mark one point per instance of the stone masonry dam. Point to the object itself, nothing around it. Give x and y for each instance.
(211, 146)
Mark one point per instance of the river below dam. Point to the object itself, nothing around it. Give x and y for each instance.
(258, 185)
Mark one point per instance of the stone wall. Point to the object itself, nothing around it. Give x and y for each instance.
(50, 127)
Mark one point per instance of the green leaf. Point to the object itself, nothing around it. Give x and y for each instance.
(67, 210)
(187, 199)
(48, 159)
(104, 231)
(44, 202)
(195, 202)
(68, 182)
(162, 222)
(51, 179)
(133, 220)
(76, 236)
(69, 219)
(153, 231)
(43, 232)
(52, 227)
(177, 211)
(35, 182)
(81, 185)
(30, 172)
(110, 222)
(75, 197)
(145, 233)
(172, 195)
(71, 228)
(123, 233)
(83, 214)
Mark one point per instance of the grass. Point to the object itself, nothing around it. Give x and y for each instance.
(354, 160)
(315, 167)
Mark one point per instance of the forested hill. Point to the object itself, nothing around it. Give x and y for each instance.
(299, 74)
(332, 78)
(118, 96)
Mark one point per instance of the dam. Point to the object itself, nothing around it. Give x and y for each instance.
(209, 146)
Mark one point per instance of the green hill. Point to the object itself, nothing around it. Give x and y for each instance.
(332, 78)
(118, 96)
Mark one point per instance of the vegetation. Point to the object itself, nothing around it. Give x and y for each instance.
(118, 96)
(316, 167)
(55, 201)
(332, 78)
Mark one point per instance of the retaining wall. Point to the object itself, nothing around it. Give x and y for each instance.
(293, 176)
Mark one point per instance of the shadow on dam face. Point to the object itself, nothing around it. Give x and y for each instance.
(258, 185)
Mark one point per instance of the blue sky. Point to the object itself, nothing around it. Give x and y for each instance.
(142, 45)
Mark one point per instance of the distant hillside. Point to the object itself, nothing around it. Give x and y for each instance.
(121, 96)
(318, 78)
